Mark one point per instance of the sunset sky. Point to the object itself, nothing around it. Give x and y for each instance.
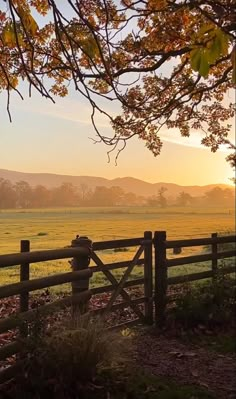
(54, 138)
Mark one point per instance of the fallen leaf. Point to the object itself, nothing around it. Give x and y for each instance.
(194, 373)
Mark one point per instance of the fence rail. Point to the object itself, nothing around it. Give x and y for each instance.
(162, 265)
(41, 256)
(187, 260)
(44, 282)
(153, 295)
(199, 241)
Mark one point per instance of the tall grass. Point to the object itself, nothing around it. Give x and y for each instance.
(60, 360)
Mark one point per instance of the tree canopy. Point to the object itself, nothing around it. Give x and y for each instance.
(167, 63)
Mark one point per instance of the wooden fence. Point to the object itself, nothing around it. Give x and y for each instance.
(152, 296)
(162, 264)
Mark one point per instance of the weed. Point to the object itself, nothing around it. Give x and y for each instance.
(67, 356)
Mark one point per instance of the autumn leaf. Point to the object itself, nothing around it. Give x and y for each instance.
(29, 23)
(199, 61)
(8, 35)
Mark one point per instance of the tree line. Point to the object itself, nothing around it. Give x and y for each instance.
(23, 195)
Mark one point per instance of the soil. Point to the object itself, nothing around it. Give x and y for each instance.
(187, 363)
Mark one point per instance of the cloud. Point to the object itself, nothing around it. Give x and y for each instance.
(73, 111)
(76, 111)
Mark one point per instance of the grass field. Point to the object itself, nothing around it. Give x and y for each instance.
(55, 228)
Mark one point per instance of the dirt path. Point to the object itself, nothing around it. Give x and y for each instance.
(188, 364)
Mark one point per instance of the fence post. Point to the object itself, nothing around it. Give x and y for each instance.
(80, 263)
(148, 278)
(24, 276)
(160, 277)
(214, 263)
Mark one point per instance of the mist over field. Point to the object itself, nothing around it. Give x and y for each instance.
(34, 190)
(50, 210)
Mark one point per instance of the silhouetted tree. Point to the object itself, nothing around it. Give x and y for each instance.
(23, 194)
(65, 195)
(161, 199)
(7, 194)
(41, 197)
(184, 199)
(219, 196)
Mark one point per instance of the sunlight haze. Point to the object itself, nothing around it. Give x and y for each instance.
(58, 138)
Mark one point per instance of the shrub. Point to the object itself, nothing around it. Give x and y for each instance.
(121, 249)
(211, 303)
(65, 358)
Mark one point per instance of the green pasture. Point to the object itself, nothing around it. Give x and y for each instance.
(55, 228)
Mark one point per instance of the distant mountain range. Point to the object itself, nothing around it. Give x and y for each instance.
(128, 184)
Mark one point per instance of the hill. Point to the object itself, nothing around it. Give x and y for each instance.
(128, 184)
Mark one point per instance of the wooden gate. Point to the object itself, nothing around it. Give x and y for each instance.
(142, 258)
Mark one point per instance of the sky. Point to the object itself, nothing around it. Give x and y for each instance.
(56, 138)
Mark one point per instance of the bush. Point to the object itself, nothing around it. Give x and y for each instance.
(65, 358)
(211, 303)
(121, 249)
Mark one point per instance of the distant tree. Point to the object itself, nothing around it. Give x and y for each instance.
(117, 195)
(103, 196)
(65, 195)
(218, 196)
(41, 197)
(161, 199)
(83, 190)
(130, 199)
(184, 199)
(152, 200)
(100, 196)
(24, 194)
(7, 194)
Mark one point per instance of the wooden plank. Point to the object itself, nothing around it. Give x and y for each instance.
(115, 284)
(121, 305)
(9, 350)
(160, 277)
(116, 265)
(126, 242)
(214, 250)
(124, 278)
(43, 282)
(199, 241)
(41, 256)
(109, 288)
(199, 276)
(79, 264)
(16, 320)
(189, 277)
(148, 277)
(24, 276)
(199, 258)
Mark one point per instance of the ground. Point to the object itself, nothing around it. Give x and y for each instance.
(187, 363)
